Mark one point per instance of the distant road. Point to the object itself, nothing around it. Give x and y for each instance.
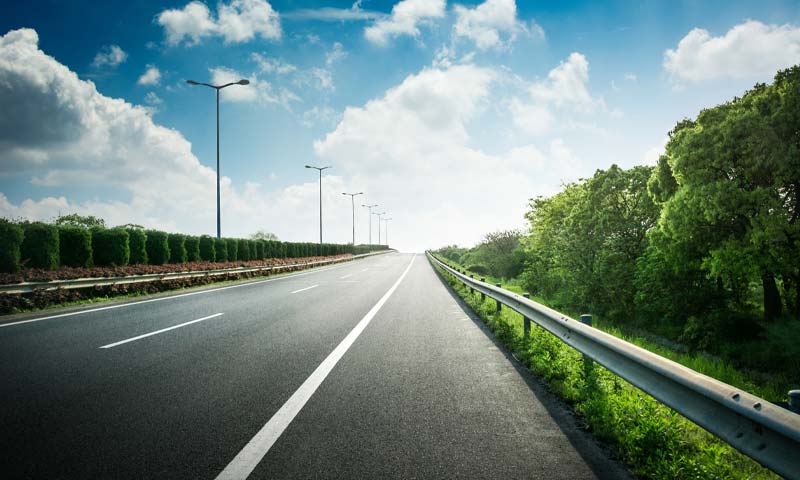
(369, 369)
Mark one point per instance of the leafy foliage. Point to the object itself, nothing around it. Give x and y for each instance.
(157, 247)
(75, 246)
(110, 246)
(263, 235)
(207, 251)
(40, 245)
(137, 241)
(192, 245)
(11, 236)
(177, 248)
(221, 249)
(85, 221)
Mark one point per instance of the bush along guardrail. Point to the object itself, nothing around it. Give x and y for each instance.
(27, 245)
(768, 433)
(34, 295)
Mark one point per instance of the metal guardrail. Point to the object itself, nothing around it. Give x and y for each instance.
(27, 287)
(761, 430)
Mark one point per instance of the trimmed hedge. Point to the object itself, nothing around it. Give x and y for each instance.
(244, 250)
(157, 247)
(177, 248)
(207, 251)
(192, 245)
(40, 246)
(259, 249)
(75, 246)
(221, 247)
(233, 249)
(11, 236)
(110, 246)
(137, 240)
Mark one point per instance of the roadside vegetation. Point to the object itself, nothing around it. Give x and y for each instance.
(698, 253)
(653, 440)
(75, 246)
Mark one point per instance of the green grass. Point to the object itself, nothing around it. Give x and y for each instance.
(653, 440)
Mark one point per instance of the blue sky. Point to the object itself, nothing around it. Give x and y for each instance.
(450, 115)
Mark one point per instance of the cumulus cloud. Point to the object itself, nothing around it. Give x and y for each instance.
(331, 14)
(109, 56)
(414, 142)
(257, 91)
(492, 24)
(748, 49)
(404, 20)
(151, 76)
(59, 131)
(238, 21)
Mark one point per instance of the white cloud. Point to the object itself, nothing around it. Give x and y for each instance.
(748, 49)
(109, 56)
(151, 76)
(153, 99)
(404, 19)
(336, 54)
(320, 116)
(258, 90)
(413, 143)
(272, 65)
(652, 155)
(566, 84)
(238, 21)
(59, 131)
(330, 14)
(532, 118)
(630, 77)
(488, 23)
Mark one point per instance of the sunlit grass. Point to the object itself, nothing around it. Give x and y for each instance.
(652, 439)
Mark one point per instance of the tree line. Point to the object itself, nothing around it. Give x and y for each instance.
(704, 247)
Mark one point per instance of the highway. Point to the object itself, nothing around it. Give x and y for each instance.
(367, 369)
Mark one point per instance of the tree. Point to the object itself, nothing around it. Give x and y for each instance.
(263, 235)
(76, 220)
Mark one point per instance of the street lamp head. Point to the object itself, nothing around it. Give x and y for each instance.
(243, 81)
(192, 82)
(309, 166)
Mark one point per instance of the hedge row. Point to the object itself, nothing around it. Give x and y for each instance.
(46, 246)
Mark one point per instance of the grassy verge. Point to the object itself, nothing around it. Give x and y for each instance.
(653, 440)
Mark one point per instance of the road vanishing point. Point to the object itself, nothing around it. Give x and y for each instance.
(367, 369)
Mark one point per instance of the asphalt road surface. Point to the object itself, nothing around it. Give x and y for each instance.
(368, 369)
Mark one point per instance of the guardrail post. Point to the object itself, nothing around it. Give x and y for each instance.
(586, 319)
(471, 289)
(526, 322)
(499, 305)
(794, 400)
(483, 295)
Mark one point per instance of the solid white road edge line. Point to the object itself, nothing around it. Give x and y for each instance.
(307, 288)
(159, 331)
(246, 461)
(110, 307)
(346, 276)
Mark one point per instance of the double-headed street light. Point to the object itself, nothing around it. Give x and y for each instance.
(370, 220)
(379, 226)
(218, 88)
(320, 201)
(353, 206)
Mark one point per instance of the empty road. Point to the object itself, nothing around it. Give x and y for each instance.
(368, 369)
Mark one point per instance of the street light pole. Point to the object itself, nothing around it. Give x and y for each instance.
(320, 169)
(353, 206)
(386, 232)
(218, 88)
(370, 220)
(379, 226)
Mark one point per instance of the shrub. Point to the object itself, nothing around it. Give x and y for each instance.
(244, 250)
(40, 246)
(260, 248)
(110, 246)
(177, 248)
(10, 242)
(157, 247)
(137, 241)
(75, 246)
(233, 249)
(221, 247)
(207, 251)
(192, 245)
(478, 269)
